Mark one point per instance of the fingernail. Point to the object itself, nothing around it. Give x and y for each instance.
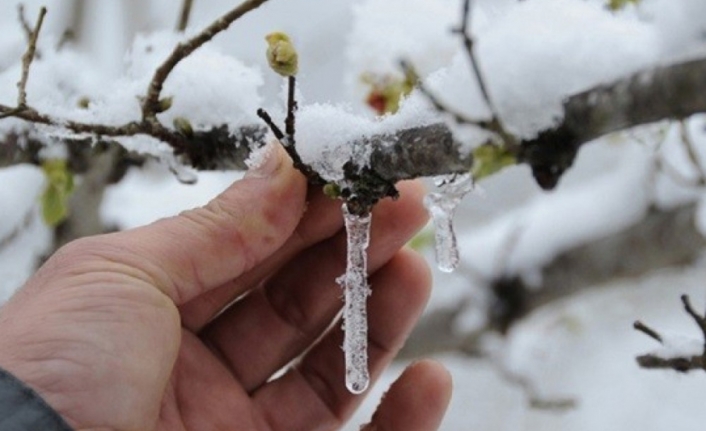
(265, 161)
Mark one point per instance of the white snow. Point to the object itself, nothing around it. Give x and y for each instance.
(327, 134)
(678, 346)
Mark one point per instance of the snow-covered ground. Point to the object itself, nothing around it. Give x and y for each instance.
(533, 54)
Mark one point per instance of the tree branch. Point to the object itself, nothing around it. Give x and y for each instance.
(681, 362)
(585, 267)
(664, 93)
(150, 106)
(629, 253)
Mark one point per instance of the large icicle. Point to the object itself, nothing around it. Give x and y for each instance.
(355, 285)
(442, 206)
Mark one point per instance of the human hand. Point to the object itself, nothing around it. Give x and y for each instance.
(126, 331)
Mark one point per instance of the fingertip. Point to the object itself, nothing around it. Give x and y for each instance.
(413, 192)
(414, 188)
(436, 378)
(416, 401)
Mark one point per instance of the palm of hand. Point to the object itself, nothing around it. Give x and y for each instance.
(131, 336)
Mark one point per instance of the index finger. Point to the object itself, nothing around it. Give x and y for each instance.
(201, 249)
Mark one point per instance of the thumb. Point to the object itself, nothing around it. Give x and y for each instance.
(200, 249)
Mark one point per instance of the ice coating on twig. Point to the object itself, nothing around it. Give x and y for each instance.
(442, 206)
(356, 291)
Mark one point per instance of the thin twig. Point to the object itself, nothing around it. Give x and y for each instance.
(468, 43)
(289, 122)
(638, 325)
(27, 60)
(440, 106)
(683, 363)
(308, 171)
(698, 318)
(184, 15)
(496, 124)
(129, 129)
(7, 112)
(271, 124)
(26, 27)
(150, 105)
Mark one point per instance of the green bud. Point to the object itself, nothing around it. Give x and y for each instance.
(616, 5)
(281, 54)
(183, 126)
(332, 190)
(55, 198)
(165, 104)
(84, 102)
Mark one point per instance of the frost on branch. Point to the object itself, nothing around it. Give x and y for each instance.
(442, 206)
(356, 291)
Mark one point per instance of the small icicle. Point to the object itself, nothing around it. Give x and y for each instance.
(356, 291)
(442, 206)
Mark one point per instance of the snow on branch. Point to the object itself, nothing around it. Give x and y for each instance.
(625, 254)
(678, 353)
(151, 105)
(668, 92)
(665, 93)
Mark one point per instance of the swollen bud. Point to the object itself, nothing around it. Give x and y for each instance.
(281, 54)
(165, 104)
(183, 126)
(332, 190)
(84, 102)
(59, 186)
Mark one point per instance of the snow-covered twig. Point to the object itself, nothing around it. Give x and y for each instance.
(677, 353)
(440, 106)
(288, 143)
(572, 272)
(495, 124)
(668, 92)
(465, 32)
(630, 253)
(150, 106)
